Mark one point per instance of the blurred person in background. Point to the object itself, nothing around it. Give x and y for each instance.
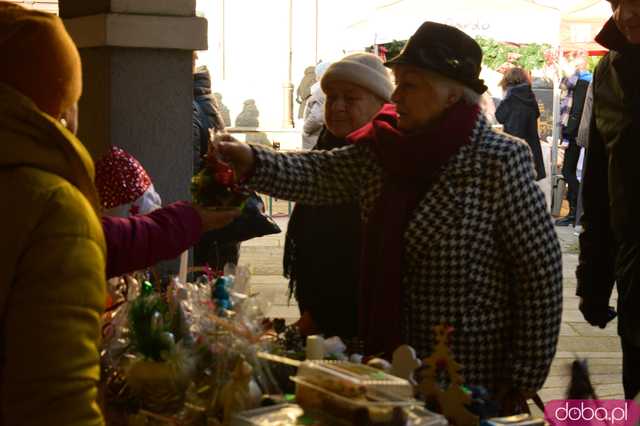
(577, 85)
(304, 89)
(519, 112)
(314, 111)
(209, 251)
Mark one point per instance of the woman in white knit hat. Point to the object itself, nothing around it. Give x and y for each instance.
(356, 87)
(323, 243)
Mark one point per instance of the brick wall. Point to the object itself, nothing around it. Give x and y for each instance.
(45, 5)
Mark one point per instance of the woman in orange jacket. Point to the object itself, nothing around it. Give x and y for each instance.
(53, 253)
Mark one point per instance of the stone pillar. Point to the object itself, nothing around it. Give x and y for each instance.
(138, 84)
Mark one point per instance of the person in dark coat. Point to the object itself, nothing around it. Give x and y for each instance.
(206, 116)
(320, 259)
(582, 78)
(519, 113)
(323, 244)
(610, 241)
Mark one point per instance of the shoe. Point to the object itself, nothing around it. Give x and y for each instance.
(566, 221)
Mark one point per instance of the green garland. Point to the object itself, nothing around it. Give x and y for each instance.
(393, 48)
(495, 52)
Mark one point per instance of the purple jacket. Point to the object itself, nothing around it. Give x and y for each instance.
(138, 242)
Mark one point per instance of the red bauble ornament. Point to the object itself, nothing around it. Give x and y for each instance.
(224, 176)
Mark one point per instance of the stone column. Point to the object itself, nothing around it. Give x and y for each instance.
(138, 84)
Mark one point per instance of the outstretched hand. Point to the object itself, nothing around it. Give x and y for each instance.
(238, 155)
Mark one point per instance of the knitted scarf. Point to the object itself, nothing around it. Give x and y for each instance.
(411, 164)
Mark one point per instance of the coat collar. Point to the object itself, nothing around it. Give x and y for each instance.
(443, 208)
(612, 38)
(32, 138)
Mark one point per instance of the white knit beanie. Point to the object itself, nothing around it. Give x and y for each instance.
(365, 70)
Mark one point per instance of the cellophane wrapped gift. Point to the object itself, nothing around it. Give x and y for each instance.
(186, 355)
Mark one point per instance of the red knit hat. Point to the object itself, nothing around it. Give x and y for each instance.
(120, 178)
(39, 59)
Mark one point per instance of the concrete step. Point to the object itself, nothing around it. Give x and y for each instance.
(564, 368)
(269, 280)
(567, 330)
(279, 297)
(572, 315)
(587, 330)
(289, 313)
(591, 356)
(592, 344)
(596, 379)
(262, 250)
(265, 268)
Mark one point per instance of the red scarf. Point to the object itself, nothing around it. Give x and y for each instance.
(412, 163)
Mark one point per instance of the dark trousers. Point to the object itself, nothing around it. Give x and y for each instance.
(628, 285)
(630, 369)
(569, 172)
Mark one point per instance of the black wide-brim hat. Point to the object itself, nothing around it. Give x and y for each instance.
(446, 50)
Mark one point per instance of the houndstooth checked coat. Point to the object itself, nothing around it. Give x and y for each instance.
(481, 252)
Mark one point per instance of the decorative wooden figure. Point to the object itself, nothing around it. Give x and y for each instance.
(452, 398)
(235, 395)
(404, 363)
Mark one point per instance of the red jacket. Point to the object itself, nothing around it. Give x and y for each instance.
(138, 242)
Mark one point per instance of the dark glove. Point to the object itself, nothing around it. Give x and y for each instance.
(597, 314)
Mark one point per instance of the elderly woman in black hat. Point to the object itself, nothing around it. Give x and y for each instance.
(455, 229)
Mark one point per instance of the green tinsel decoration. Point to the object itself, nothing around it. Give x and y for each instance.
(150, 324)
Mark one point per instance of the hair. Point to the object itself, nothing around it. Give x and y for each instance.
(488, 107)
(469, 96)
(513, 77)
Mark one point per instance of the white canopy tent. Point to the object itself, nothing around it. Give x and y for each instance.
(580, 25)
(517, 21)
(554, 22)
